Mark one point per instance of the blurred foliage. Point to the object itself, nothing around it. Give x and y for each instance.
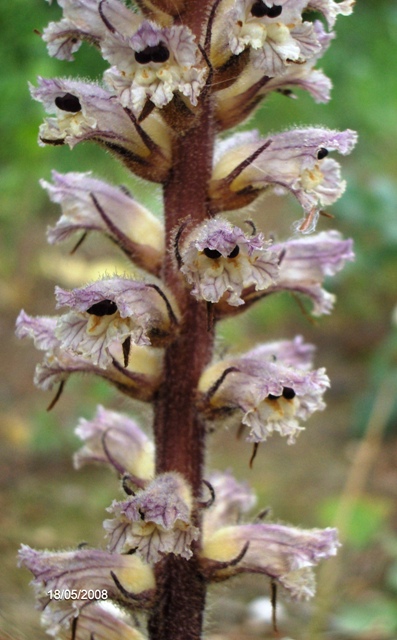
(356, 343)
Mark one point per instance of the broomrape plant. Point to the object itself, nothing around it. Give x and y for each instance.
(180, 73)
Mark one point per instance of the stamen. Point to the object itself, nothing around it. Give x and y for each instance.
(288, 393)
(158, 53)
(213, 254)
(322, 153)
(68, 102)
(235, 252)
(126, 346)
(102, 308)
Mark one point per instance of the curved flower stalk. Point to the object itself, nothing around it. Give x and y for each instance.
(180, 72)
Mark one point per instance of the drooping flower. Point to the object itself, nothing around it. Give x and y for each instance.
(268, 395)
(82, 21)
(74, 573)
(219, 259)
(286, 554)
(102, 621)
(139, 379)
(155, 521)
(294, 161)
(115, 439)
(153, 64)
(89, 204)
(113, 311)
(86, 111)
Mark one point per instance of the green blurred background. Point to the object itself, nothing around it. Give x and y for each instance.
(337, 470)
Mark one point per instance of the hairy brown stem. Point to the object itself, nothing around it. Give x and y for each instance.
(179, 432)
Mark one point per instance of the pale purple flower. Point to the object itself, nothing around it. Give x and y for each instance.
(115, 439)
(86, 111)
(292, 353)
(99, 620)
(155, 521)
(82, 21)
(153, 64)
(139, 379)
(268, 396)
(232, 499)
(83, 569)
(294, 161)
(305, 263)
(89, 204)
(219, 259)
(286, 554)
(113, 311)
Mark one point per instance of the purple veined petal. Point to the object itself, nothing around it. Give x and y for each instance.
(266, 396)
(286, 554)
(111, 311)
(155, 521)
(83, 111)
(116, 435)
(232, 499)
(331, 9)
(103, 621)
(140, 379)
(89, 204)
(308, 260)
(154, 64)
(294, 161)
(219, 259)
(84, 569)
(82, 21)
(292, 353)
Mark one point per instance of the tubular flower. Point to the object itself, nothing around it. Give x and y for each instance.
(232, 500)
(219, 259)
(82, 21)
(73, 572)
(89, 204)
(113, 310)
(307, 261)
(275, 41)
(286, 554)
(270, 395)
(102, 621)
(115, 439)
(139, 379)
(87, 112)
(155, 521)
(152, 65)
(294, 161)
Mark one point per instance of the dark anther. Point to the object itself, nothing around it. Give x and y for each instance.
(103, 308)
(57, 396)
(288, 393)
(274, 11)
(271, 396)
(126, 488)
(68, 102)
(126, 346)
(322, 153)
(235, 252)
(253, 456)
(158, 53)
(213, 254)
(131, 552)
(259, 10)
(141, 513)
